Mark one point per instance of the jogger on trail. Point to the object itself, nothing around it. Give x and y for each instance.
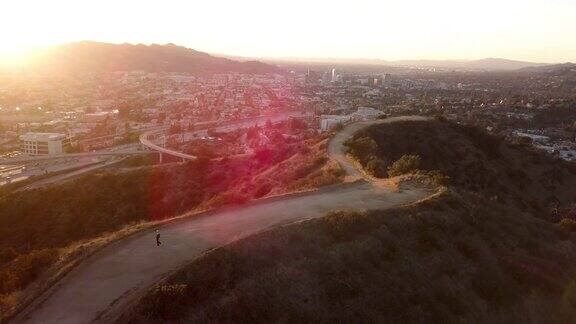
(158, 238)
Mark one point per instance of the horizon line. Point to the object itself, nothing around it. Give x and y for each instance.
(302, 59)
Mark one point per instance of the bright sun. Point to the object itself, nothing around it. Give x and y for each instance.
(17, 53)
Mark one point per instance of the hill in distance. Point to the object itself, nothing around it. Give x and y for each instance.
(553, 69)
(94, 57)
(487, 64)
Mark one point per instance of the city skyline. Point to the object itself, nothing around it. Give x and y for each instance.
(534, 30)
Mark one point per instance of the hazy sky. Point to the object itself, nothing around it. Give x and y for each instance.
(535, 30)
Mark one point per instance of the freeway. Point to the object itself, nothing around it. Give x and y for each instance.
(146, 142)
(28, 159)
(223, 127)
(99, 288)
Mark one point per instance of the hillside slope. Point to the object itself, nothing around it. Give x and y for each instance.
(461, 256)
(509, 174)
(93, 57)
(451, 259)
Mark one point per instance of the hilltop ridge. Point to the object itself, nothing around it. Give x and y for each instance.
(89, 56)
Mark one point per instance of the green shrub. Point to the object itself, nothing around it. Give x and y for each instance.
(344, 225)
(438, 178)
(406, 164)
(339, 172)
(522, 141)
(376, 167)
(361, 148)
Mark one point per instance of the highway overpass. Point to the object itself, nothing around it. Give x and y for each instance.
(225, 126)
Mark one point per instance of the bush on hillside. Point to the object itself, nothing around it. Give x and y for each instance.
(376, 167)
(522, 141)
(21, 271)
(437, 178)
(361, 148)
(406, 164)
(568, 224)
(345, 225)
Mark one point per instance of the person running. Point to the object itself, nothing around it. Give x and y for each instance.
(158, 238)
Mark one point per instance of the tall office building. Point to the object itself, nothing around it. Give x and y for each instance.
(312, 77)
(333, 77)
(43, 143)
(386, 80)
(326, 79)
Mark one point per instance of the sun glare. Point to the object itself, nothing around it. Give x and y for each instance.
(16, 53)
(392, 30)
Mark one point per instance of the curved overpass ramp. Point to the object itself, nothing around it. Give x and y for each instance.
(223, 127)
(162, 150)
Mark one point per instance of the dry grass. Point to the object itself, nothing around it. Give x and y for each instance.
(448, 259)
(306, 170)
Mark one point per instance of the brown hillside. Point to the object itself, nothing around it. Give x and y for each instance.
(483, 251)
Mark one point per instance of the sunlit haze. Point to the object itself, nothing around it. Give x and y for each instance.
(532, 30)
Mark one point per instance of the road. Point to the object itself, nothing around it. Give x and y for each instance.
(73, 155)
(100, 287)
(68, 175)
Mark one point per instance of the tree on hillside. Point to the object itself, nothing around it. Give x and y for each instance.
(361, 148)
(405, 164)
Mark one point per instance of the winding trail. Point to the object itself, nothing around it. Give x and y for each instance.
(100, 286)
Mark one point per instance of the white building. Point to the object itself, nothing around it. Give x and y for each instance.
(329, 121)
(367, 113)
(540, 139)
(43, 143)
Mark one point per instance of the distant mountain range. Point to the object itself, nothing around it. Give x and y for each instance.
(488, 64)
(556, 69)
(87, 56)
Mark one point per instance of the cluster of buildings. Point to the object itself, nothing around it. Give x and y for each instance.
(91, 113)
(95, 112)
(564, 149)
